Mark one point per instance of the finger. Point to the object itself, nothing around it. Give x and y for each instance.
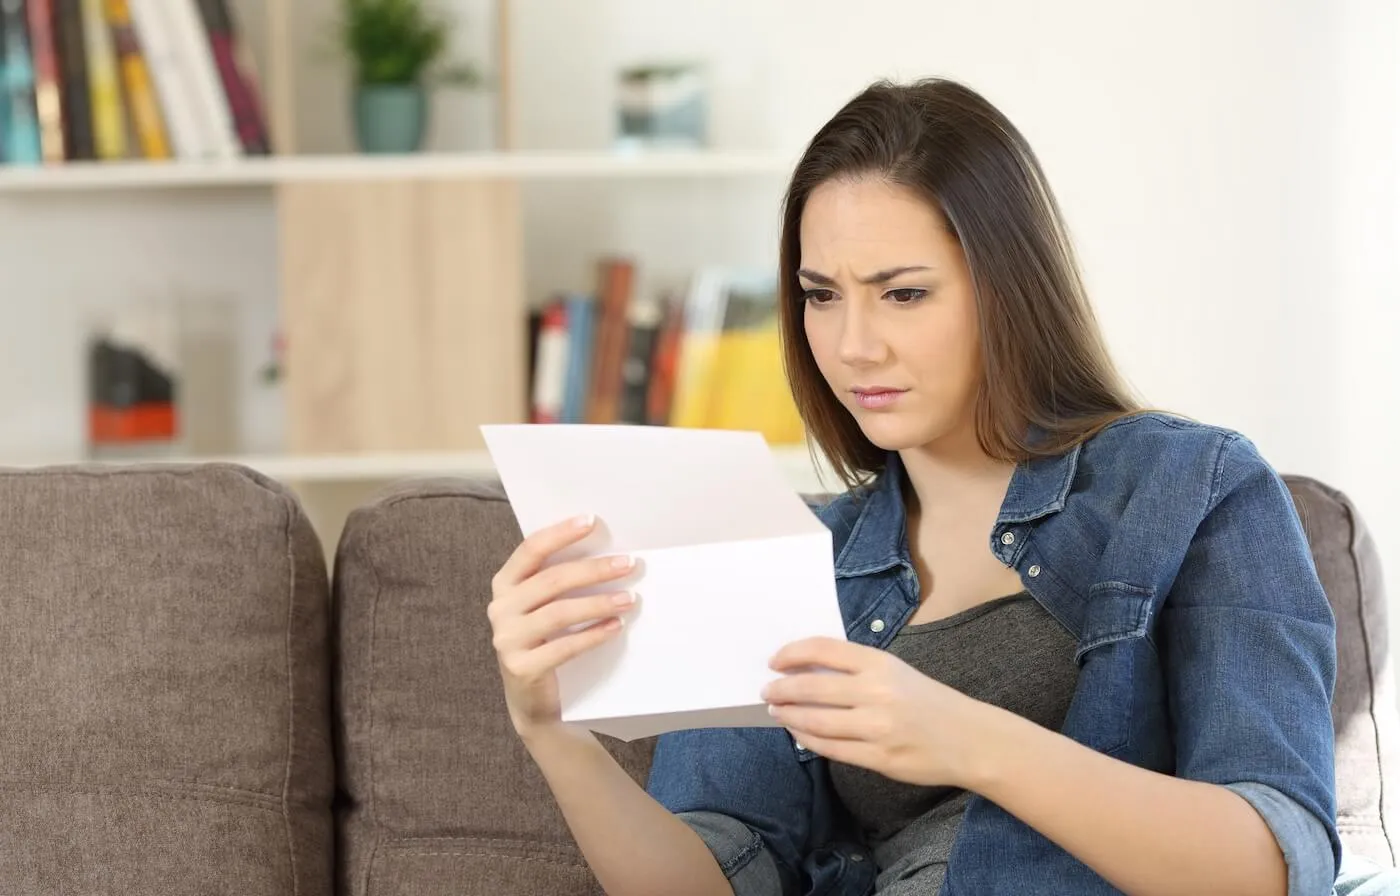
(832, 723)
(530, 555)
(824, 653)
(552, 619)
(815, 688)
(552, 654)
(548, 584)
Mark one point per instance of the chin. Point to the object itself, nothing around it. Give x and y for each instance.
(890, 433)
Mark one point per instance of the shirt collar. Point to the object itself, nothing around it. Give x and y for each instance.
(879, 536)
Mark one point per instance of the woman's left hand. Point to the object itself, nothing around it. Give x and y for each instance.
(864, 706)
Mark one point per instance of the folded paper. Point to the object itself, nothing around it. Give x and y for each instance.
(731, 566)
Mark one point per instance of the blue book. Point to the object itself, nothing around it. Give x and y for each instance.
(19, 135)
(580, 315)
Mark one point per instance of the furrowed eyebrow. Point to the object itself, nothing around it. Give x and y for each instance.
(878, 277)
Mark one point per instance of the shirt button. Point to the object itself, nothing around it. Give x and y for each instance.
(1033, 571)
(1008, 538)
(857, 857)
(877, 626)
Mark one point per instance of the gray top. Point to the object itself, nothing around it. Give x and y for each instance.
(1007, 652)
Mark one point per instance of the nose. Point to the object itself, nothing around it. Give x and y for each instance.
(861, 344)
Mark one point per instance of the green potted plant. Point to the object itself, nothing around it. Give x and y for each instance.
(397, 50)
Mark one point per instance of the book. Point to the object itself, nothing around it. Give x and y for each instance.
(80, 141)
(48, 90)
(580, 321)
(20, 124)
(147, 122)
(615, 278)
(233, 72)
(104, 88)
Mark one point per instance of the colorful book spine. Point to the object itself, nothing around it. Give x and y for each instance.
(21, 125)
(108, 110)
(79, 141)
(146, 117)
(197, 65)
(248, 119)
(48, 92)
(662, 386)
(551, 365)
(644, 322)
(615, 279)
(155, 35)
(582, 325)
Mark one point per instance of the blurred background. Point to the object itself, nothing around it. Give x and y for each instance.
(332, 238)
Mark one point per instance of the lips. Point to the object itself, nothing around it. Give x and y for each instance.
(877, 397)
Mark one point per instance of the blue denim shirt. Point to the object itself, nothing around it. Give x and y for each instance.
(1174, 555)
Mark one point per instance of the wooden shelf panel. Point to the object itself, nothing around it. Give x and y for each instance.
(403, 311)
(268, 172)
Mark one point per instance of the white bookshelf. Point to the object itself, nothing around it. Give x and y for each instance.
(394, 279)
(271, 171)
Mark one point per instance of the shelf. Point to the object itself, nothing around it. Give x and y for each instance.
(388, 466)
(269, 171)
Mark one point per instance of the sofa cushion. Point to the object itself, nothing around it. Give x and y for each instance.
(1364, 710)
(439, 796)
(164, 706)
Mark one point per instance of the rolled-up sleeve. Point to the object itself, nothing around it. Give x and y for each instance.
(744, 792)
(1249, 652)
(740, 851)
(1301, 837)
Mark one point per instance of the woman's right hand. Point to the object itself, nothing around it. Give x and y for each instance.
(528, 622)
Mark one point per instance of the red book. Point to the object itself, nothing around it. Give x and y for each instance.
(662, 387)
(248, 119)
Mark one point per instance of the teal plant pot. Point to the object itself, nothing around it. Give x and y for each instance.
(390, 118)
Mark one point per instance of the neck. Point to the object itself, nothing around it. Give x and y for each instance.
(953, 473)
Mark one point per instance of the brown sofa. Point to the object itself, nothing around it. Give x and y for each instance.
(186, 709)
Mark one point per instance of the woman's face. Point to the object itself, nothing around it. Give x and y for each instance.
(890, 313)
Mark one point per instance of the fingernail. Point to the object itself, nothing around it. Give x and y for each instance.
(623, 599)
(772, 710)
(622, 562)
(583, 521)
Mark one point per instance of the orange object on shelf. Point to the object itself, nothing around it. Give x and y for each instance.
(150, 421)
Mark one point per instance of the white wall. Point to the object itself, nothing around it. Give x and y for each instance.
(1228, 170)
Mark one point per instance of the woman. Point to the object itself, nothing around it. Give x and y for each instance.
(1088, 651)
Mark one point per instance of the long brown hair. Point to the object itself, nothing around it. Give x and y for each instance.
(1047, 381)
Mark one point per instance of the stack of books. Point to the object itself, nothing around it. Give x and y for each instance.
(710, 358)
(104, 80)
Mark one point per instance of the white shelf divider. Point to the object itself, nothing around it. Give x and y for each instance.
(384, 467)
(269, 171)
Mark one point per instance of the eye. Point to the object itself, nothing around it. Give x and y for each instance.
(906, 296)
(818, 296)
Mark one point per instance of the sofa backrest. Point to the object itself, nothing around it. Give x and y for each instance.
(166, 691)
(441, 798)
(1364, 713)
(164, 685)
